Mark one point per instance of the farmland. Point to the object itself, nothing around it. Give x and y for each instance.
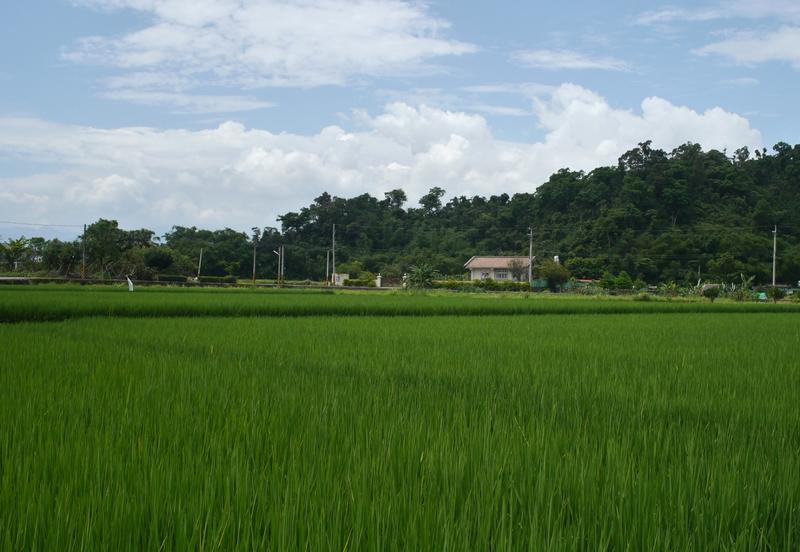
(282, 420)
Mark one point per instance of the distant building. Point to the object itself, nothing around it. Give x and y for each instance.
(495, 268)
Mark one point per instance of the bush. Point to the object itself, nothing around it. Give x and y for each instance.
(711, 292)
(642, 297)
(505, 285)
(481, 285)
(775, 293)
(170, 278)
(217, 279)
(359, 282)
(454, 285)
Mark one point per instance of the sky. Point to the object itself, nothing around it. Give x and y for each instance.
(228, 113)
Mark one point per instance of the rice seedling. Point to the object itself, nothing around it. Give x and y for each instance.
(626, 431)
(58, 303)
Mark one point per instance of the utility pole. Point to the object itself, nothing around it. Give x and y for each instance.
(283, 264)
(278, 253)
(530, 255)
(327, 267)
(333, 255)
(774, 252)
(200, 263)
(83, 254)
(254, 261)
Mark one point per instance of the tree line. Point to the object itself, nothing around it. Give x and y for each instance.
(657, 216)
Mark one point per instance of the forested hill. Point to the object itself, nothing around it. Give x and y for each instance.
(659, 216)
(656, 215)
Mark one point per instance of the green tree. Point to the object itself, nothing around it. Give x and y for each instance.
(623, 281)
(555, 273)
(158, 258)
(607, 281)
(104, 244)
(432, 201)
(15, 251)
(519, 270)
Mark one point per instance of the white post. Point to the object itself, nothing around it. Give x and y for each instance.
(254, 261)
(333, 254)
(774, 252)
(200, 263)
(530, 256)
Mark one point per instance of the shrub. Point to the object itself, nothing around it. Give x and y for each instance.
(217, 279)
(504, 285)
(170, 278)
(711, 292)
(454, 285)
(355, 282)
(775, 293)
(641, 297)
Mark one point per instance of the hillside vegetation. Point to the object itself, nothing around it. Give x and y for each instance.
(658, 216)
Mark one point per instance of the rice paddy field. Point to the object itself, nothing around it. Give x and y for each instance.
(301, 420)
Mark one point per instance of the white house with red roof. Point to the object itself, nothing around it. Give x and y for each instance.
(496, 268)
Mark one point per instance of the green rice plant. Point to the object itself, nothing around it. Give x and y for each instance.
(622, 432)
(40, 303)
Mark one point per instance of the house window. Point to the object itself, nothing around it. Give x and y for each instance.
(501, 275)
(484, 275)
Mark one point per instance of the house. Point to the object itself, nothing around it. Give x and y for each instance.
(497, 268)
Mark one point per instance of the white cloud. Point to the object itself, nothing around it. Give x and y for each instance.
(568, 59)
(751, 48)
(188, 103)
(737, 9)
(255, 43)
(240, 177)
(743, 81)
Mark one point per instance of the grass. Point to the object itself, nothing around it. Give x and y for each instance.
(43, 303)
(634, 431)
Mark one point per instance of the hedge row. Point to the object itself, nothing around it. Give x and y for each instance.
(487, 285)
(217, 279)
(170, 278)
(366, 282)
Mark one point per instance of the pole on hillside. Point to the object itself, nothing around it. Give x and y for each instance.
(83, 254)
(774, 252)
(530, 255)
(333, 256)
(200, 263)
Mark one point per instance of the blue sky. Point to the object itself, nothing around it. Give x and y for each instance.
(229, 112)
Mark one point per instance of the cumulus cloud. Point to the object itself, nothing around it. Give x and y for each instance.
(568, 59)
(256, 43)
(751, 48)
(240, 177)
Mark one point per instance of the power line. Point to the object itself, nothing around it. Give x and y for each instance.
(41, 224)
